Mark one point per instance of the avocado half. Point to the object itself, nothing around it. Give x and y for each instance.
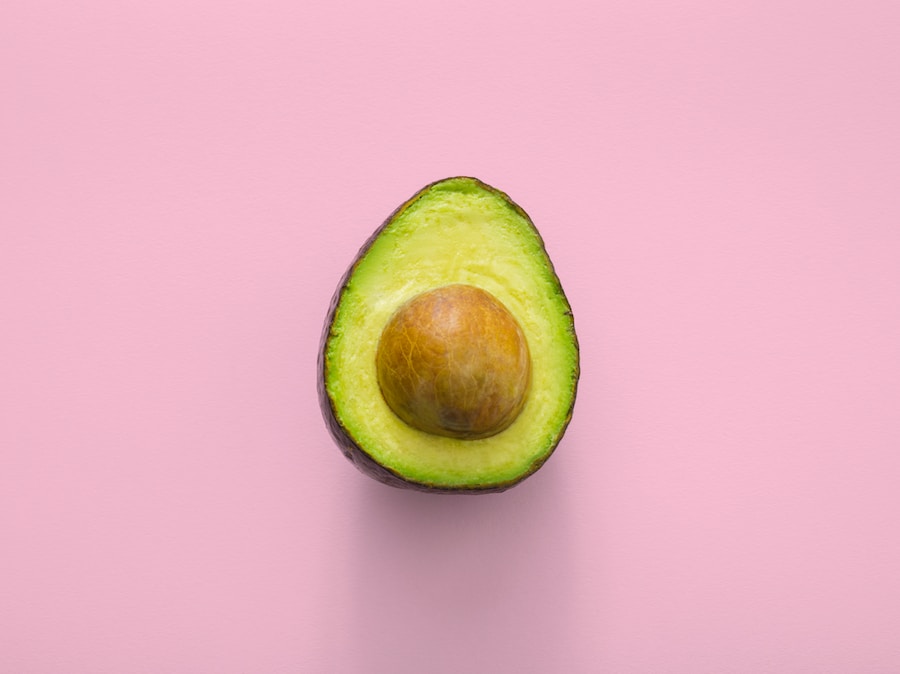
(454, 232)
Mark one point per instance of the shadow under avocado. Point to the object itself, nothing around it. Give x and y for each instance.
(460, 583)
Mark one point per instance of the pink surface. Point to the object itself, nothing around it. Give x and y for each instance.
(182, 187)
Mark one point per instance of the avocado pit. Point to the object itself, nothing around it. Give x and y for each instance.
(453, 361)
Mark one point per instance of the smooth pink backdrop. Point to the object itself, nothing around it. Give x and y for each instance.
(183, 184)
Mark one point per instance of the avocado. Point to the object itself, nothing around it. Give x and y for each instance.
(449, 361)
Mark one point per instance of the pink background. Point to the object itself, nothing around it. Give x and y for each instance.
(183, 185)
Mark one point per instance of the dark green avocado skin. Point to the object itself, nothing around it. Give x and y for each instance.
(345, 442)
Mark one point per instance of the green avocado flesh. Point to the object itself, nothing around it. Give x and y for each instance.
(456, 231)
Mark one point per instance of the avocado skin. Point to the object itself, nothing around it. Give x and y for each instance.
(345, 442)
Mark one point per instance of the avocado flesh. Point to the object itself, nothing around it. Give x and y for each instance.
(456, 231)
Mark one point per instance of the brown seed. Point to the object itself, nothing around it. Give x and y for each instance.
(453, 361)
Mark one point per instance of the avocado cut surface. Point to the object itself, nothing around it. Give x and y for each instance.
(456, 246)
